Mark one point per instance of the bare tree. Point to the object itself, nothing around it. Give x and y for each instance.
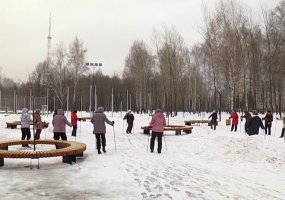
(77, 67)
(58, 74)
(138, 67)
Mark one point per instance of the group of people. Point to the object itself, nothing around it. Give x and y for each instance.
(157, 123)
(252, 122)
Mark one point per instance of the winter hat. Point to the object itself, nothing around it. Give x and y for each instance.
(25, 110)
(129, 111)
(157, 110)
(38, 110)
(254, 112)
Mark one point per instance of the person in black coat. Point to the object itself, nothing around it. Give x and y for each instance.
(130, 120)
(214, 118)
(268, 121)
(247, 116)
(254, 123)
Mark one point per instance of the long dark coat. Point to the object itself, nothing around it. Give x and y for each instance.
(253, 125)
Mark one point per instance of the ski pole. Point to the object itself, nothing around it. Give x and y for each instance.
(164, 141)
(45, 130)
(80, 127)
(263, 133)
(114, 138)
(275, 126)
(123, 125)
(95, 141)
(147, 142)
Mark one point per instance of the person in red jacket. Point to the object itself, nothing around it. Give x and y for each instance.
(157, 122)
(74, 122)
(234, 117)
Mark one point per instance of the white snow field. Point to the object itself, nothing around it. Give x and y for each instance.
(208, 165)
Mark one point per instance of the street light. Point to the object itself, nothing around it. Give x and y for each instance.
(93, 65)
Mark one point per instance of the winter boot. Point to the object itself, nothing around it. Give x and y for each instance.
(104, 150)
(99, 152)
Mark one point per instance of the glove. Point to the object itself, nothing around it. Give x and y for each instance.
(113, 123)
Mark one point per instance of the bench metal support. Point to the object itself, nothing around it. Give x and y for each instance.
(1, 162)
(67, 159)
(188, 131)
(178, 132)
(2, 159)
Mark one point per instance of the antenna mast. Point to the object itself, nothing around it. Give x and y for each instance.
(49, 39)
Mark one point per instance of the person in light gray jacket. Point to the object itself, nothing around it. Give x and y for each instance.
(98, 120)
(25, 125)
(59, 123)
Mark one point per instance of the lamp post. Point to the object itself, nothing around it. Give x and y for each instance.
(93, 65)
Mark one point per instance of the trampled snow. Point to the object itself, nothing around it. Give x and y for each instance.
(206, 164)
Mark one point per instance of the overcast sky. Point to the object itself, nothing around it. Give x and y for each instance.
(107, 28)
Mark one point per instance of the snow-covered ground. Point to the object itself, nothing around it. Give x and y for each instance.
(206, 164)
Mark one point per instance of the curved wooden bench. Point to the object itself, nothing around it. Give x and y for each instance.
(14, 124)
(67, 149)
(176, 128)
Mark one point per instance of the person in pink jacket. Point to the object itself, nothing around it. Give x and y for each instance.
(59, 122)
(157, 123)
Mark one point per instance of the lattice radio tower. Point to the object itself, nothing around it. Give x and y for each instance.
(49, 39)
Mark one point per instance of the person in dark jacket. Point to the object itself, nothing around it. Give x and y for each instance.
(38, 123)
(214, 118)
(130, 120)
(254, 123)
(74, 122)
(54, 113)
(247, 116)
(59, 123)
(98, 120)
(268, 121)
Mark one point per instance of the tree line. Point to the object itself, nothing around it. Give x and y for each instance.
(238, 64)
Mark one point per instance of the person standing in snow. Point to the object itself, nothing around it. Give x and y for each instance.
(59, 123)
(247, 116)
(74, 122)
(234, 117)
(130, 120)
(268, 121)
(98, 120)
(214, 118)
(54, 113)
(157, 123)
(254, 123)
(38, 123)
(283, 129)
(25, 125)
